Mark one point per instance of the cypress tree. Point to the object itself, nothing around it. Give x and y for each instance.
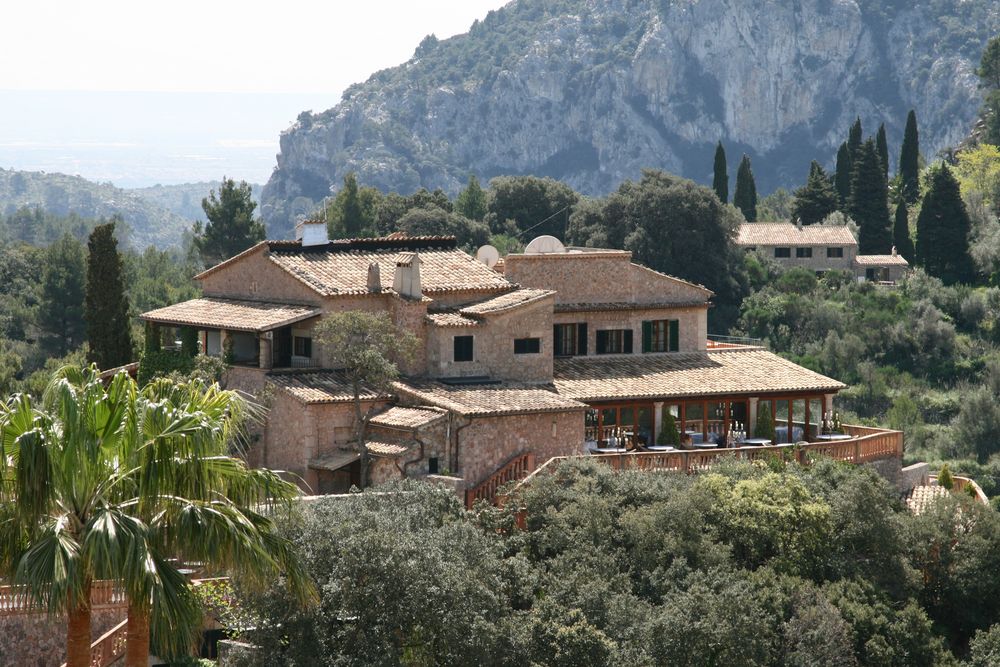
(854, 138)
(909, 160)
(720, 177)
(105, 306)
(901, 232)
(882, 147)
(816, 199)
(869, 204)
(943, 229)
(745, 197)
(471, 202)
(842, 175)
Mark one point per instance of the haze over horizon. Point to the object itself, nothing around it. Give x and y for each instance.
(144, 94)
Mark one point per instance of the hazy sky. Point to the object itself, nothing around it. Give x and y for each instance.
(280, 46)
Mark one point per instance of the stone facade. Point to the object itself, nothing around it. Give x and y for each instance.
(692, 325)
(39, 640)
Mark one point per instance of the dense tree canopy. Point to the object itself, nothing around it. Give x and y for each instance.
(943, 228)
(106, 306)
(231, 227)
(471, 201)
(535, 205)
(60, 307)
(816, 199)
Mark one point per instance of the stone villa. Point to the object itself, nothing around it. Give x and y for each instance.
(546, 354)
(819, 248)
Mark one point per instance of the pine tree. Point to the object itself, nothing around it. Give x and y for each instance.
(352, 219)
(231, 227)
(816, 199)
(720, 176)
(842, 176)
(901, 232)
(943, 229)
(106, 306)
(60, 303)
(854, 137)
(909, 160)
(882, 147)
(869, 203)
(471, 202)
(745, 197)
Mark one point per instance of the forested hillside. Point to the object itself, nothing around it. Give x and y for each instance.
(592, 91)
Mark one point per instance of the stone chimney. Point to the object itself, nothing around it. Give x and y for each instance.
(374, 278)
(893, 251)
(406, 280)
(311, 233)
(798, 223)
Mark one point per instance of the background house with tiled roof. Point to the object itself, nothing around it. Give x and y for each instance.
(818, 248)
(543, 356)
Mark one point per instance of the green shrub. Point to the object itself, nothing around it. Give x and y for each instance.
(945, 478)
(765, 424)
(668, 434)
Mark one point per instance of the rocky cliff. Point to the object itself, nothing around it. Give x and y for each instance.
(592, 91)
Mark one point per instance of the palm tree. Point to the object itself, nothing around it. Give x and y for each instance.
(113, 482)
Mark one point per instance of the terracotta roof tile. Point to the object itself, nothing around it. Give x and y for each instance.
(321, 387)
(408, 418)
(333, 271)
(451, 319)
(919, 498)
(620, 305)
(723, 372)
(505, 302)
(785, 233)
(232, 314)
(388, 449)
(880, 260)
(487, 399)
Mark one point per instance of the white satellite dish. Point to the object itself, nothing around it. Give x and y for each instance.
(544, 245)
(488, 255)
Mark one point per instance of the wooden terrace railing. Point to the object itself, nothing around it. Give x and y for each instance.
(104, 594)
(866, 445)
(960, 484)
(517, 468)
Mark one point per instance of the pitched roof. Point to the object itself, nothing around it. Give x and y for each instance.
(388, 449)
(622, 305)
(340, 268)
(321, 387)
(231, 314)
(785, 233)
(505, 302)
(407, 418)
(451, 319)
(334, 460)
(485, 400)
(747, 371)
(881, 260)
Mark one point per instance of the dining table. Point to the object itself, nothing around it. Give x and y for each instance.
(829, 437)
(756, 442)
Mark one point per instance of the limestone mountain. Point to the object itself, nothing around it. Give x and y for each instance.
(592, 91)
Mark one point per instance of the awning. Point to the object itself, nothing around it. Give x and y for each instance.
(231, 314)
(334, 460)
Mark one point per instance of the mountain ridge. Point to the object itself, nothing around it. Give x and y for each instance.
(592, 91)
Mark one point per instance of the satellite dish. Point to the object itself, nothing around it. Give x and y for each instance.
(544, 245)
(488, 255)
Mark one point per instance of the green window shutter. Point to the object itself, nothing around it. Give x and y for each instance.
(627, 342)
(647, 336)
(581, 339)
(557, 349)
(675, 335)
(602, 342)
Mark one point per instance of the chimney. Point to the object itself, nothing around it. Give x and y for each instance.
(311, 233)
(406, 280)
(893, 251)
(798, 223)
(374, 278)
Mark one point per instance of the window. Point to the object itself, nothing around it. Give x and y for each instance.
(834, 252)
(570, 339)
(803, 252)
(527, 345)
(432, 465)
(463, 348)
(661, 336)
(302, 346)
(782, 252)
(614, 341)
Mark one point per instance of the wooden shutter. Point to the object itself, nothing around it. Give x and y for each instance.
(675, 335)
(557, 349)
(647, 336)
(602, 342)
(627, 341)
(581, 338)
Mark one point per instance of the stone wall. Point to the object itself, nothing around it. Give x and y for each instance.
(493, 346)
(257, 278)
(38, 640)
(891, 469)
(818, 262)
(489, 442)
(692, 325)
(914, 475)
